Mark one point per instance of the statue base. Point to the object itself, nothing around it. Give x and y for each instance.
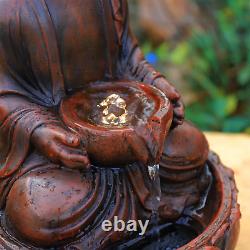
(212, 225)
(215, 225)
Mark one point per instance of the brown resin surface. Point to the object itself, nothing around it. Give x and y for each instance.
(140, 138)
(76, 94)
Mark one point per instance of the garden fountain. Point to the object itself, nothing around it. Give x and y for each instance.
(90, 132)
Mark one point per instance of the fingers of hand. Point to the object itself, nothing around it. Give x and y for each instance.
(177, 121)
(168, 89)
(174, 95)
(76, 165)
(70, 157)
(67, 138)
(179, 110)
(178, 113)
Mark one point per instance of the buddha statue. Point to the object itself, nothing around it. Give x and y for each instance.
(51, 194)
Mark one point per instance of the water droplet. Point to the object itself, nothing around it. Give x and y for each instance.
(153, 170)
(155, 193)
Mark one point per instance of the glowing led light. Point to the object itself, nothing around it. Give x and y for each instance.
(114, 110)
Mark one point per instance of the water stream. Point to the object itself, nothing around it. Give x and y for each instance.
(155, 199)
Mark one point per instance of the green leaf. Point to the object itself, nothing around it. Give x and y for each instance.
(200, 116)
(244, 75)
(205, 83)
(236, 124)
(162, 52)
(180, 53)
(247, 130)
(232, 103)
(223, 106)
(146, 47)
(218, 107)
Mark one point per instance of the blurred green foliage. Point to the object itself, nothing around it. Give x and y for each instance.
(215, 62)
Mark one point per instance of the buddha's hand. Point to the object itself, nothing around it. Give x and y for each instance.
(175, 98)
(60, 146)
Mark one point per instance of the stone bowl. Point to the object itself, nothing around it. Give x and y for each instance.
(120, 122)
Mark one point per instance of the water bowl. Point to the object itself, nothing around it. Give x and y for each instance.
(119, 122)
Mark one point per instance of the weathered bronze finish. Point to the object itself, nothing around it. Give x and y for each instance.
(139, 139)
(82, 115)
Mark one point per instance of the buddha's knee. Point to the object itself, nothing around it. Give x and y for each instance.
(183, 170)
(42, 207)
(185, 152)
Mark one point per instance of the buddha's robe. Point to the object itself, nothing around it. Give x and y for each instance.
(47, 50)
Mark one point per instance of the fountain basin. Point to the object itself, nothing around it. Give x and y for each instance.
(119, 122)
(215, 226)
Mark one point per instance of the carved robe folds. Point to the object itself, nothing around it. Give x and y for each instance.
(47, 50)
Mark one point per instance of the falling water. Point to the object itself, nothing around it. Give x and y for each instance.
(153, 171)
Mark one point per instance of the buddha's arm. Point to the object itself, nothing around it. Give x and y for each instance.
(26, 89)
(10, 104)
(24, 123)
(137, 68)
(133, 59)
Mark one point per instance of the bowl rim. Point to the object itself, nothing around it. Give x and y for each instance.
(75, 123)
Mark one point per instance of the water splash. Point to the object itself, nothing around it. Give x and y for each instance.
(155, 199)
(153, 171)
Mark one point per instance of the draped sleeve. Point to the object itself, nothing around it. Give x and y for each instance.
(132, 60)
(28, 77)
(29, 63)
